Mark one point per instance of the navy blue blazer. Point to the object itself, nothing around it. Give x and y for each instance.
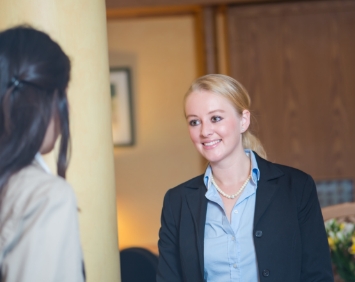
(289, 235)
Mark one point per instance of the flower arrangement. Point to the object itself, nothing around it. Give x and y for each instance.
(341, 239)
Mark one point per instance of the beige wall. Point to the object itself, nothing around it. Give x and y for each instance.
(161, 54)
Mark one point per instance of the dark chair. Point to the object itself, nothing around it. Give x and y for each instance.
(138, 265)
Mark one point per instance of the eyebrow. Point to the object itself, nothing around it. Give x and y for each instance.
(211, 112)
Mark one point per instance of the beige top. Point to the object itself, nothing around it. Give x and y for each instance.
(39, 232)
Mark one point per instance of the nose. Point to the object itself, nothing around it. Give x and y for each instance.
(206, 129)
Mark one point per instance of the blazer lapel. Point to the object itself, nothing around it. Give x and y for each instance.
(197, 204)
(266, 187)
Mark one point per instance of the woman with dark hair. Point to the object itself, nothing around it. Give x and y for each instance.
(39, 233)
(245, 219)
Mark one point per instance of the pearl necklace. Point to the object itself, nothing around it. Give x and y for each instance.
(233, 195)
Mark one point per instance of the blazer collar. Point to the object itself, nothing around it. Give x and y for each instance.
(40, 163)
(267, 186)
(197, 204)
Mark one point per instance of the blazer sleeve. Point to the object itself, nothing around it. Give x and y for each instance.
(316, 262)
(46, 246)
(169, 267)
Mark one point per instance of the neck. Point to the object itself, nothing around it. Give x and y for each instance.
(236, 171)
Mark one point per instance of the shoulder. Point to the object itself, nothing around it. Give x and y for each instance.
(176, 199)
(30, 200)
(185, 187)
(31, 187)
(33, 179)
(280, 170)
(292, 172)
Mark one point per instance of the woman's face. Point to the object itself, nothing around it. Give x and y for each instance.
(51, 136)
(214, 125)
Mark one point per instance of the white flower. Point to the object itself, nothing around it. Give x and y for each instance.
(340, 235)
(348, 228)
(331, 234)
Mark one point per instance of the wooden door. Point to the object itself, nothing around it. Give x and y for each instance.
(297, 61)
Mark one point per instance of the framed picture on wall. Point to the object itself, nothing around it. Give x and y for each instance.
(122, 107)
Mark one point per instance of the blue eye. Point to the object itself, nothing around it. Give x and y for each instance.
(194, 122)
(216, 118)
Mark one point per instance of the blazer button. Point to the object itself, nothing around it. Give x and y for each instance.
(259, 233)
(266, 272)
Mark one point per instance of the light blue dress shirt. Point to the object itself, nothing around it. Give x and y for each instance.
(229, 251)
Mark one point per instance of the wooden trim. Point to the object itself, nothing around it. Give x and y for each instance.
(113, 14)
(195, 11)
(123, 4)
(206, 40)
(200, 44)
(222, 40)
(205, 29)
(210, 39)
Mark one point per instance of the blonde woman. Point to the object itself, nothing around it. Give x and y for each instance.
(245, 219)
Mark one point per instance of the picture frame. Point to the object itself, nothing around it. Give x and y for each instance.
(121, 107)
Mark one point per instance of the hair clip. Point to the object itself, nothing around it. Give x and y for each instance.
(15, 82)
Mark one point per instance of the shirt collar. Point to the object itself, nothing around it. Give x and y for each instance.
(42, 163)
(255, 172)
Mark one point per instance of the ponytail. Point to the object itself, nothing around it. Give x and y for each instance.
(250, 141)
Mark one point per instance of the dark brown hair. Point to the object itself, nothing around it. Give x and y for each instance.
(34, 75)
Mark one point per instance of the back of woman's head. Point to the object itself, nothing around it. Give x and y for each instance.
(237, 95)
(34, 75)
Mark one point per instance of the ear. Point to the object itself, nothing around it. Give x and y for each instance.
(244, 121)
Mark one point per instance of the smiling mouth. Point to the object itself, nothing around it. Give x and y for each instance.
(212, 142)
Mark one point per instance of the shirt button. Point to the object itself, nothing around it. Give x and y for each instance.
(233, 238)
(266, 272)
(259, 233)
(235, 265)
(235, 211)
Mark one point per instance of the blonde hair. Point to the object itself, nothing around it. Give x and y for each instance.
(231, 89)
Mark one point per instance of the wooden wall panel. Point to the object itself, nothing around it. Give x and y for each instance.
(297, 61)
